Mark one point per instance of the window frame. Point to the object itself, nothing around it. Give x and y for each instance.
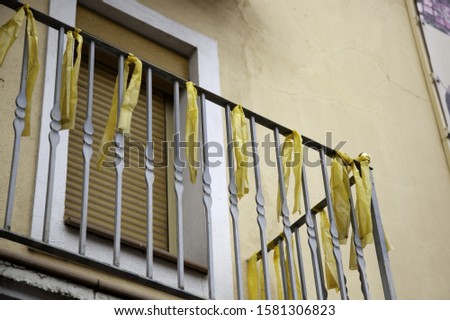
(204, 70)
(442, 121)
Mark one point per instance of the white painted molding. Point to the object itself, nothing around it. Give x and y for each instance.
(204, 70)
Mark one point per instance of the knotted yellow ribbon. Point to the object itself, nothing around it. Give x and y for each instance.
(292, 143)
(363, 208)
(191, 135)
(8, 35)
(363, 198)
(130, 100)
(327, 244)
(252, 278)
(240, 141)
(340, 196)
(69, 84)
(363, 204)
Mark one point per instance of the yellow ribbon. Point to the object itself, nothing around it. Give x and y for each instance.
(363, 199)
(327, 244)
(69, 84)
(191, 129)
(363, 204)
(292, 143)
(353, 264)
(8, 35)
(240, 140)
(262, 289)
(130, 100)
(276, 263)
(297, 278)
(252, 278)
(340, 196)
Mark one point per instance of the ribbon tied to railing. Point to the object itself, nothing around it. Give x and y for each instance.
(292, 146)
(240, 141)
(8, 35)
(130, 100)
(69, 83)
(191, 134)
(342, 164)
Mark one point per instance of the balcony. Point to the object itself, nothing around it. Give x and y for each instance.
(142, 220)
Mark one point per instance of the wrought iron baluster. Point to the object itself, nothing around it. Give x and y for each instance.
(259, 198)
(19, 125)
(285, 214)
(53, 137)
(284, 279)
(322, 275)
(333, 231)
(234, 211)
(178, 166)
(298, 246)
(312, 241)
(119, 165)
(87, 150)
(149, 175)
(359, 251)
(380, 247)
(207, 199)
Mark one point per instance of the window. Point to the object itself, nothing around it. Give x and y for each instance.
(186, 53)
(101, 203)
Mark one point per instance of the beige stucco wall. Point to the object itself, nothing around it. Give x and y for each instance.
(349, 67)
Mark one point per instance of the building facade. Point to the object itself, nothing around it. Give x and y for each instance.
(352, 75)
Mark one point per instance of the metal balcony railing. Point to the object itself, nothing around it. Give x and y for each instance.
(308, 220)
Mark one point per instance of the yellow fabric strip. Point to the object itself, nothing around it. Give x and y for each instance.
(340, 196)
(353, 265)
(292, 145)
(363, 199)
(327, 245)
(261, 290)
(297, 278)
(191, 135)
(276, 263)
(8, 35)
(130, 99)
(363, 204)
(65, 82)
(252, 279)
(33, 67)
(69, 84)
(240, 141)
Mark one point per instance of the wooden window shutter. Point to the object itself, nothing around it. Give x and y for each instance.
(102, 183)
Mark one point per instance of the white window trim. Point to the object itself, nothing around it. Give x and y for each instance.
(429, 80)
(204, 70)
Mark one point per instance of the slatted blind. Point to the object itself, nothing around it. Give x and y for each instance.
(101, 203)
